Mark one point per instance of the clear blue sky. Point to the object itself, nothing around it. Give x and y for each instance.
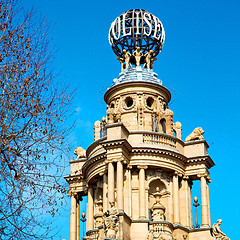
(199, 64)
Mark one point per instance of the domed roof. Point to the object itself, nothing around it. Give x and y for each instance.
(137, 74)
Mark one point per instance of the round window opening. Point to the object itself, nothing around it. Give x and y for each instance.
(150, 101)
(129, 102)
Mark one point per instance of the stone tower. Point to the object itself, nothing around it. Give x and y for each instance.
(137, 174)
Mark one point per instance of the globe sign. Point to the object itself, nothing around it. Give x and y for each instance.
(136, 28)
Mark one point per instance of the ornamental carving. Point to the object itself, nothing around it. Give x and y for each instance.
(92, 235)
(195, 135)
(158, 210)
(217, 232)
(151, 173)
(80, 152)
(111, 222)
(129, 102)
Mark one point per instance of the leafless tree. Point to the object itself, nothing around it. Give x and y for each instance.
(33, 110)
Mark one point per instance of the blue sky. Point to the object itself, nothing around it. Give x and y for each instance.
(199, 64)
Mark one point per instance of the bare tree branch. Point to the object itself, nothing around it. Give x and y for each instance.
(33, 109)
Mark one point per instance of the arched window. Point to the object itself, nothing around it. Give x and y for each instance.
(163, 125)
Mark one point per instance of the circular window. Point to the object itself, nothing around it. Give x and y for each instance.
(150, 101)
(129, 102)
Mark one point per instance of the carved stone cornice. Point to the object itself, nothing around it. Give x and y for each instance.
(74, 178)
(201, 159)
(117, 143)
(163, 152)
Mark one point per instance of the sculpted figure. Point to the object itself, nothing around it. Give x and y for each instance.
(149, 59)
(195, 135)
(80, 152)
(121, 62)
(124, 60)
(137, 54)
(126, 57)
(111, 221)
(217, 232)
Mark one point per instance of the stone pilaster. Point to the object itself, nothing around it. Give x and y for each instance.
(105, 187)
(142, 195)
(90, 206)
(176, 212)
(111, 188)
(128, 199)
(120, 185)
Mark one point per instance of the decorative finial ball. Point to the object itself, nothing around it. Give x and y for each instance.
(136, 28)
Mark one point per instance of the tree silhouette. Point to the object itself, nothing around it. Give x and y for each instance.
(33, 110)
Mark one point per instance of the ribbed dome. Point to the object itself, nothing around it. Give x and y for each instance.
(137, 74)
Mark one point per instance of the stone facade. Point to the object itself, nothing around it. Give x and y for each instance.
(137, 174)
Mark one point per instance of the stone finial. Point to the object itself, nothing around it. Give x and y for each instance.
(177, 126)
(80, 152)
(217, 232)
(195, 135)
(97, 129)
(168, 112)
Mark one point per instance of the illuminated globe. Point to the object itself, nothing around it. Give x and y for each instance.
(136, 28)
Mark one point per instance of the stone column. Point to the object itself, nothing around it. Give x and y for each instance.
(78, 219)
(142, 196)
(105, 199)
(129, 176)
(73, 217)
(208, 199)
(204, 200)
(120, 186)
(190, 203)
(90, 220)
(186, 201)
(111, 190)
(176, 213)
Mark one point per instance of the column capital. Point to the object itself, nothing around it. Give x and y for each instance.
(142, 167)
(176, 173)
(200, 175)
(209, 179)
(102, 173)
(117, 159)
(185, 177)
(129, 166)
(72, 194)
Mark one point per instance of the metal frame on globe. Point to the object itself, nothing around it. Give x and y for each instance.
(136, 28)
